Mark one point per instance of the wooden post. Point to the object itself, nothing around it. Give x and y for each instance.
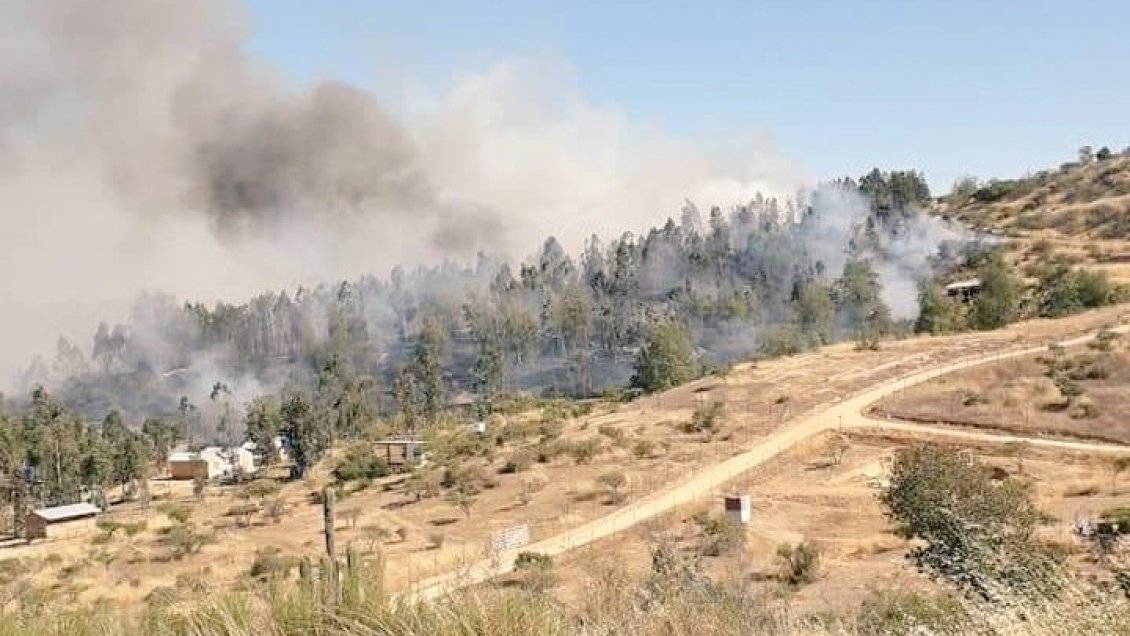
(329, 519)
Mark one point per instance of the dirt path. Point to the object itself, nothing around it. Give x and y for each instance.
(846, 415)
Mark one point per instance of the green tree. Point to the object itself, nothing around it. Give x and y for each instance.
(977, 534)
(666, 359)
(263, 423)
(163, 436)
(937, 313)
(859, 302)
(303, 435)
(998, 302)
(816, 314)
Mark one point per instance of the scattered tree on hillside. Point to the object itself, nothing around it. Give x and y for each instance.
(978, 534)
(665, 360)
(304, 437)
(998, 302)
(938, 313)
(263, 423)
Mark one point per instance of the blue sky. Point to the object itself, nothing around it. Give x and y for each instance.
(990, 88)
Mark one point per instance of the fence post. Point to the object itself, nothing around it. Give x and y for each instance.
(329, 521)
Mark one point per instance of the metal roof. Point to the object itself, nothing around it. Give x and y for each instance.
(71, 511)
(964, 284)
(184, 457)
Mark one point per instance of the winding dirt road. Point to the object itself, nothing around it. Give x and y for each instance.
(846, 415)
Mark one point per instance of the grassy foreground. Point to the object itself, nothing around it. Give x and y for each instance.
(673, 600)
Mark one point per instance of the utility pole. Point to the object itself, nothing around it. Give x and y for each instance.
(328, 521)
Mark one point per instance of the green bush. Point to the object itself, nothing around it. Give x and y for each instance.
(905, 613)
(359, 464)
(665, 360)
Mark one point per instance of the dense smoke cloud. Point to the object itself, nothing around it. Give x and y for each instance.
(141, 147)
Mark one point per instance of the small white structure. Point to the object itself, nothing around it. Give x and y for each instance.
(480, 427)
(280, 451)
(211, 463)
(739, 508)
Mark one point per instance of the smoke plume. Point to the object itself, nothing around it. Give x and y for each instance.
(142, 148)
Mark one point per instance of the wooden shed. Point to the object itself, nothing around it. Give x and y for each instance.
(189, 466)
(399, 454)
(60, 520)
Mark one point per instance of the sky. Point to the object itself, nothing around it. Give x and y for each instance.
(951, 88)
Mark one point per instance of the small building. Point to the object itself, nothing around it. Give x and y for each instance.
(60, 521)
(211, 463)
(400, 454)
(185, 465)
(964, 290)
(280, 451)
(739, 508)
(461, 401)
(225, 462)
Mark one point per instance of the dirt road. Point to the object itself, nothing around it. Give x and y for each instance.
(846, 415)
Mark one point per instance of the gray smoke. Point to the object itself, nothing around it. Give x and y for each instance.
(142, 148)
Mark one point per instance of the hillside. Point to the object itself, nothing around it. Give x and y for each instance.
(1080, 211)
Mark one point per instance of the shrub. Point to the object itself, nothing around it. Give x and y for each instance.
(613, 482)
(244, 512)
(611, 432)
(107, 528)
(518, 462)
(905, 613)
(360, 464)
(583, 451)
(722, 534)
(177, 512)
(135, 528)
(800, 564)
(536, 570)
(1119, 515)
(531, 485)
(1104, 341)
(260, 488)
(435, 540)
(706, 419)
(470, 479)
(643, 448)
(270, 563)
(973, 398)
(184, 540)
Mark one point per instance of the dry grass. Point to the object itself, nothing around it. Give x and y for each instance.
(1016, 396)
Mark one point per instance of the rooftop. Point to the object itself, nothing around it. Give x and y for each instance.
(965, 284)
(70, 511)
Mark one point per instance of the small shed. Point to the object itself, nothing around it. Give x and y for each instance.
(739, 508)
(60, 520)
(400, 454)
(188, 466)
(964, 290)
(461, 401)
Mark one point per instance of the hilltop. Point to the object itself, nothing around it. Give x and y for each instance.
(1080, 211)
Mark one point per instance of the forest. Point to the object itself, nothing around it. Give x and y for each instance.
(769, 277)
